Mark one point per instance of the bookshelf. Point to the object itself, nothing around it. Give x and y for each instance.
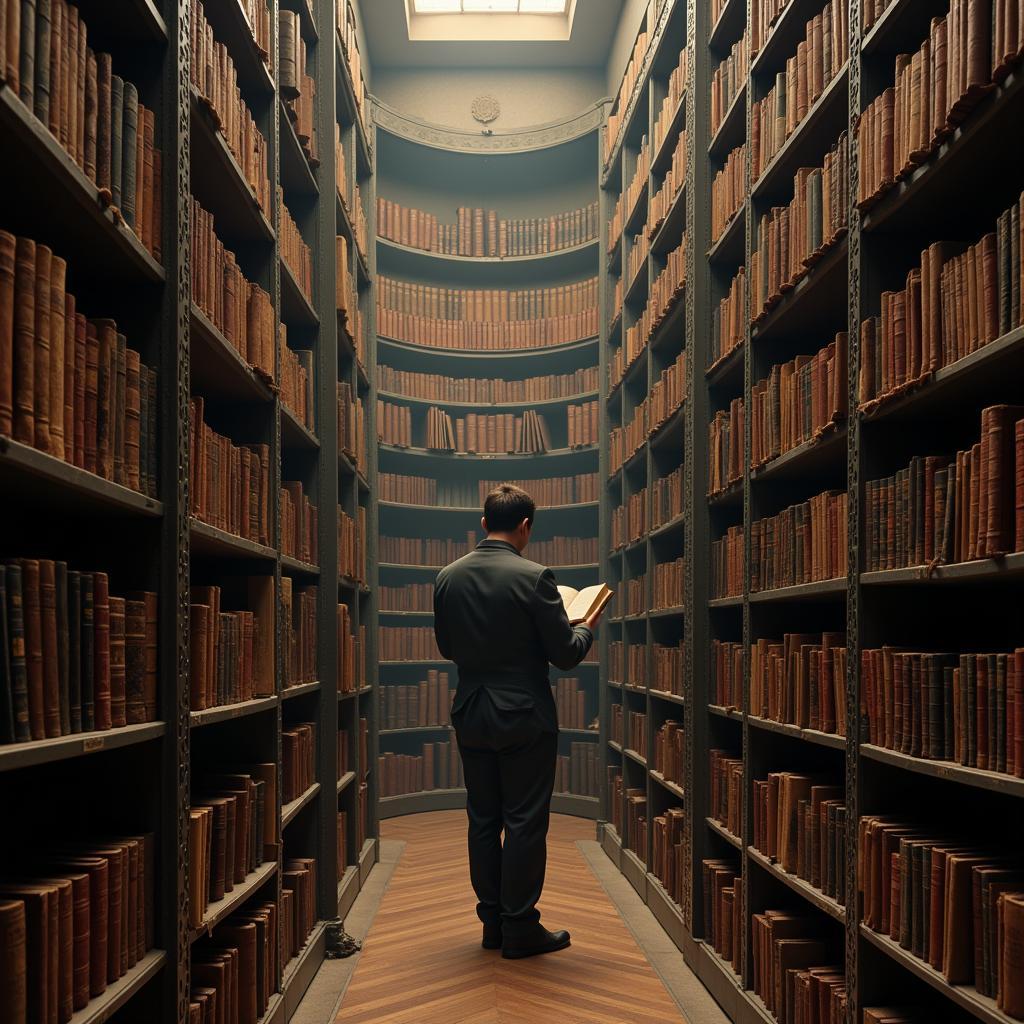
(424, 175)
(852, 604)
(142, 778)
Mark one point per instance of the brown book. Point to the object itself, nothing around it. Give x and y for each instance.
(8, 258)
(101, 648)
(33, 626)
(48, 620)
(117, 662)
(42, 924)
(13, 965)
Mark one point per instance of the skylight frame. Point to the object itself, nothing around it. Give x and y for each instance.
(459, 7)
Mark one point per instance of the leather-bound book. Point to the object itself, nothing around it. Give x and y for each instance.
(41, 351)
(91, 116)
(41, 90)
(30, 578)
(146, 192)
(87, 648)
(117, 662)
(117, 403)
(101, 647)
(90, 404)
(135, 661)
(76, 391)
(6, 679)
(60, 653)
(13, 962)
(58, 272)
(8, 250)
(42, 918)
(74, 651)
(18, 661)
(103, 121)
(132, 410)
(129, 147)
(106, 361)
(116, 127)
(24, 341)
(27, 53)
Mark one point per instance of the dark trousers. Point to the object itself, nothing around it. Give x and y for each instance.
(508, 760)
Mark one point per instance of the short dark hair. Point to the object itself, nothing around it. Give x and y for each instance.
(507, 506)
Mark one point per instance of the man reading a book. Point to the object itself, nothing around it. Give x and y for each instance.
(501, 619)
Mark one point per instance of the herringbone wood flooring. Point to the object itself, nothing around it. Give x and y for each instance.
(422, 962)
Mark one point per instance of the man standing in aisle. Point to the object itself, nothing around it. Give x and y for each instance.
(500, 618)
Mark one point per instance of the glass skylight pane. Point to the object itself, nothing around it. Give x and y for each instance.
(542, 6)
(490, 6)
(437, 6)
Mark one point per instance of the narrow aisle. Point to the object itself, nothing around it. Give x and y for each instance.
(422, 962)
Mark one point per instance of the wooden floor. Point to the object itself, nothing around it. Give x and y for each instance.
(422, 962)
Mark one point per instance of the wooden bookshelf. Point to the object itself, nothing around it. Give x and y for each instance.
(155, 543)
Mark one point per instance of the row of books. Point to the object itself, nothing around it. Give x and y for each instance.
(799, 401)
(257, 17)
(475, 432)
(232, 831)
(297, 256)
(479, 232)
(351, 653)
(727, 668)
(298, 614)
(959, 299)
(548, 492)
(668, 584)
(299, 524)
(429, 551)
(347, 30)
(411, 597)
(486, 390)
(636, 595)
(229, 485)
(343, 751)
(726, 790)
(675, 87)
(935, 89)
(800, 823)
(728, 79)
(792, 969)
(297, 383)
(623, 98)
(352, 538)
(637, 185)
(727, 321)
(74, 923)
(346, 290)
(764, 14)
(94, 115)
(945, 509)
(71, 387)
(298, 760)
(820, 56)
(239, 308)
(804, 543)
(439, 766)
(215, 79)
(723, 912)
(967, 708)
(791, 239)
(951, 900)
(571, 703)
(298, 89)
(408, 643)
(486, 318)
(671, 185)
(728, 191)
(231, 649)
(669, 751)
(629, 521)
(667, 498)
(351, 424)
(667, 668)
(298, 904)
(668, 857)
(427, 702)
(637, 253)
(74, 658)
(800, 680)
(576, 772)
(725, 447)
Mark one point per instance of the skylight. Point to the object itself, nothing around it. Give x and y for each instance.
(490, 6)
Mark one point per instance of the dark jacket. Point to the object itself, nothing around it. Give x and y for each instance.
(499, 617)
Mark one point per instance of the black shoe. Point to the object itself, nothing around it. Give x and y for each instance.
(492, 937)
(534, 942)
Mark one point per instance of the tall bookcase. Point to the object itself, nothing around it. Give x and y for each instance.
(540, 173)
(143, 778)
(958, 607)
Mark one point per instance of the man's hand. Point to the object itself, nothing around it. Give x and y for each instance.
(594, 620)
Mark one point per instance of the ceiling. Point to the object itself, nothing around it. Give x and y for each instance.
(387, 35)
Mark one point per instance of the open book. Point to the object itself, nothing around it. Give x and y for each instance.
(581, 604)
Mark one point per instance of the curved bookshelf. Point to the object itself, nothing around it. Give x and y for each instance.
(421, 169)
